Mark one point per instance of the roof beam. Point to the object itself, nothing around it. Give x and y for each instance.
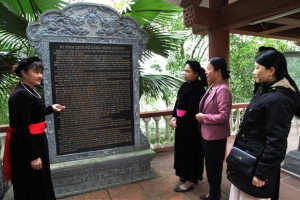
(289, 23)
(265, 35)
(187, 3)
(236, 16)
(184, 3)
(204, 17)
(240, 13)
(279, 29)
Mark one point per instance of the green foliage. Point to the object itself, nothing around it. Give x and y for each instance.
(7, 82)
(12, 29)
(4, 110)
(194, 47)
(157, 67)
(145, 11)
(14, 45)
(161, 42)
(15, 16)
(293, 67)
(161, 130)
(156, 86)
(242, 54)
(154, 16)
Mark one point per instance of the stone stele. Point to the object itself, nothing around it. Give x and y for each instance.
(90, 55)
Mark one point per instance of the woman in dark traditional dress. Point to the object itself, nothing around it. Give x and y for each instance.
(29, 157)
(188, 160)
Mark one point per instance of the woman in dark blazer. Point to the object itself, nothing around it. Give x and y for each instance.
(265, 127)
(213, 116)
(188, 158)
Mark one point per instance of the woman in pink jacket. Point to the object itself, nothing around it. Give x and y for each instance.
(213, 116)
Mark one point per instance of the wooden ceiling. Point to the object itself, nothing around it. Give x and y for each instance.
(278, 18)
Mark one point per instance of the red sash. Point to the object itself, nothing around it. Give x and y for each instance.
(34, 129)
(37, 128)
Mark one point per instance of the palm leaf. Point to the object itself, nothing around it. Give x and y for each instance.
(49, 4)
(12, 25)
(161, 42)
(155, 85)
(15, 15)
(7, 82)
(144, 11)
(153, 16)
(31, 9)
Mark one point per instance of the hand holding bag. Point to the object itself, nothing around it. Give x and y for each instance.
(241, 161)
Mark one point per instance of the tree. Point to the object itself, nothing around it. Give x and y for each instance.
(194, 47)
(242, 54)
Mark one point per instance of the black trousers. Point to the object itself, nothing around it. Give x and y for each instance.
(275, 195)
(214, 153)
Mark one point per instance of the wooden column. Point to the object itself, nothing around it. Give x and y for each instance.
(219, 43)
(218, 37)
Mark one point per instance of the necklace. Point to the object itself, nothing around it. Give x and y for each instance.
(37, 96)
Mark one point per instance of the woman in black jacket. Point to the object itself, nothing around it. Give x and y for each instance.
(188, 159)
(264, 130)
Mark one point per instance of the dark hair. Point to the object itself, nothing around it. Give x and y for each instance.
(196, 67)
(28, 63)
(273, 58)
(220, 63)
(260, 50)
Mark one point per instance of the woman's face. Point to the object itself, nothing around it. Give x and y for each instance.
(262, 74)
(32, 77)
(188, 74)
(211, 74)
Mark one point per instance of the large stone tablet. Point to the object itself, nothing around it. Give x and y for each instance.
(90, 55)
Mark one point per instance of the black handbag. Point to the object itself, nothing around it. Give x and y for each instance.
(241, 161)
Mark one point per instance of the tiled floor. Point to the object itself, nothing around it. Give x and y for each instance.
(161, 187)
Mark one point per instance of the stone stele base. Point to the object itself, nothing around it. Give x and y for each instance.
(76, 177)
(292, 163)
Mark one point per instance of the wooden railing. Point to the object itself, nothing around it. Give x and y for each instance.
(3, 129)
(148, 117)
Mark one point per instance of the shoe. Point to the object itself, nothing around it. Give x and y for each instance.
(209, 197)
(179, 189)
(182, 179)
(204, 196)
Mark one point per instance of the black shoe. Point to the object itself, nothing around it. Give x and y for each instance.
(179, 189)
(203, 196)
(182, 179)
(209, 197)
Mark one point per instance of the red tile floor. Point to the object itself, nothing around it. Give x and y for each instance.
(161, 187)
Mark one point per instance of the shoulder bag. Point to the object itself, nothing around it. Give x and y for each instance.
(241, 161)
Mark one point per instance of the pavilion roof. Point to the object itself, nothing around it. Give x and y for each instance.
(265, 18)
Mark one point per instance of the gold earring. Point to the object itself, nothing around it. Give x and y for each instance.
(270, 76)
